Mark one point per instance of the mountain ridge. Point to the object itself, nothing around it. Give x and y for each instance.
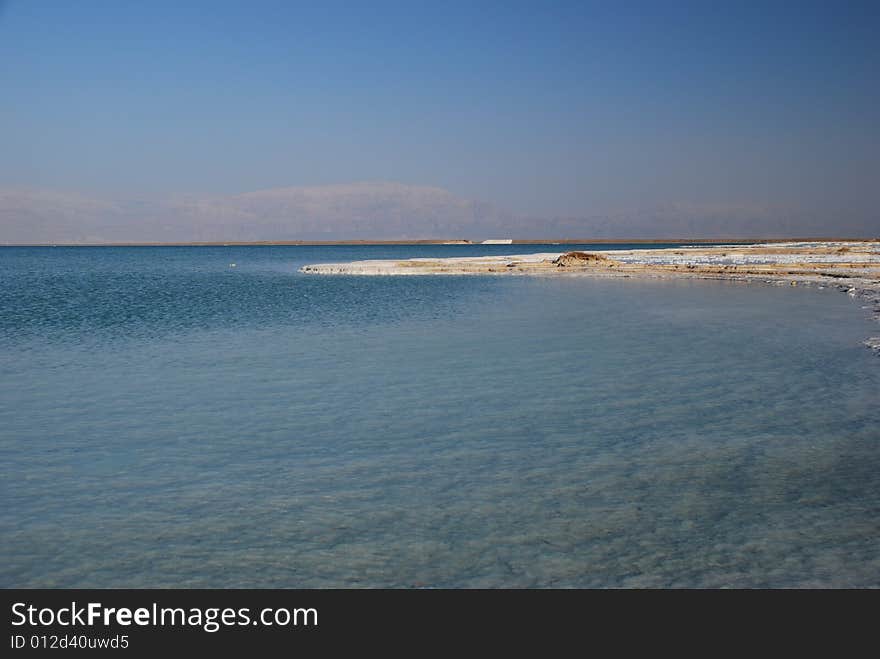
(376, 210)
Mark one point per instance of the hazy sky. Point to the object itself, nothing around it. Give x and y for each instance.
(541, 107)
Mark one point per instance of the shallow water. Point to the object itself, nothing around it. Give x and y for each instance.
(168, 420)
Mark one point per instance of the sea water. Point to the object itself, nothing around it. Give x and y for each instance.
(169, 420)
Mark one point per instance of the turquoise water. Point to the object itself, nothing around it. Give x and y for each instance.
(167, 420)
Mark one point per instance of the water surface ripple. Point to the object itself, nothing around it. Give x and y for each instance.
(167, 420)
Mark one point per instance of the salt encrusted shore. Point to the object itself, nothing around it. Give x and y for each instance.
(851, 267)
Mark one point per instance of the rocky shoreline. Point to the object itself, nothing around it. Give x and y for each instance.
(850, 267)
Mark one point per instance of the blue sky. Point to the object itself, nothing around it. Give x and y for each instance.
(541, 108)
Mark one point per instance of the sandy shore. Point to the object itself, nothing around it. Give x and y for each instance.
(851, 267)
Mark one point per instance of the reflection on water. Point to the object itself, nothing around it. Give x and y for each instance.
(167, 420)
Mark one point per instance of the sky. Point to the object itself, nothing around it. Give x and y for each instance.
(542, 108)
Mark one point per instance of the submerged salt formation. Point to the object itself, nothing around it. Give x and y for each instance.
(850, 266)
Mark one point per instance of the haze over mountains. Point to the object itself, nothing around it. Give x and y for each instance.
(377, 211)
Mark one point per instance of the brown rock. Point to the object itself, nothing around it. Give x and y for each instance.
(579, 259)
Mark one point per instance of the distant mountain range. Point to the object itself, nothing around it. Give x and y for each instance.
(377, 211)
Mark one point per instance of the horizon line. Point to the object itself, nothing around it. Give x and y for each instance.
(448, 241)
